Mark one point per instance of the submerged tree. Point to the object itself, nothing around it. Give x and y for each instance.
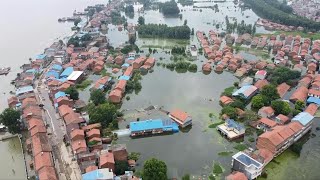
(11, 119)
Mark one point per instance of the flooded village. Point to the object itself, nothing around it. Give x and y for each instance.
(216, 92)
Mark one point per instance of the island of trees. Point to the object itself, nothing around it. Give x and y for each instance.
(280, 13)
(164, 31)
(169, 8)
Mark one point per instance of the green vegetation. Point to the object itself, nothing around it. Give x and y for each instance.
(178, 50)
(258, 102)
(134, 155)
(302, 34)
(121, 167)
(134, 84)
(141, 20)
(214, 125)
(79, 42)
(270, 93)
(11, 119)
(182, 66)
(250, 115)
(105, 114)
(240, 147)
(185, 2)
(281, 107)
(241, 28)
(217, 169)
(251, 139)
(237, 103)
(271, 9)
(169, 8)
(299, 105)
(229, 111)
(116, 18)
(97, 97)
(284, 74)
(129, 11)
(73, 93)
(228, 91)
(154, 169)
(83, 85)
(225, 153)
(163, 31)
(128, 48)
(77, 21)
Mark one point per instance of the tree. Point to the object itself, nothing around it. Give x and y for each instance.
(169, 8)
(141, 20)
(77, 21)
(250, 116)
(258, 101)
(103, 113)
(185, 22)
(230, 111)
(73, 93)
(132, 40)
(270, 92)
(154, 169)
(121, 167)
(134, 155)
(97, 97)
(164, 31)
(237, 104)
(11, 119)
(281, 107)
(284, 74)
(186, 177)
(299, 105)
(192, 31)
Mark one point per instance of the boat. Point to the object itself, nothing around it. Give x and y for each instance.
(5, 71)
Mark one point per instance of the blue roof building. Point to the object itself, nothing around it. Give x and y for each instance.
(155, 126)
(125, 65)
(247, 165)
(40, 57)
(33, 71)
(98, 174)
(59, 94)
(313, 100)
(57, 67)
(52, 73)
(23, 90)
(66, 72)
(124, 78)
(304, 118)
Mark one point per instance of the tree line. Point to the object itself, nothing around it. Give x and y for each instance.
(241, 28)
(264, 9)
(169, 8)
(163, 31)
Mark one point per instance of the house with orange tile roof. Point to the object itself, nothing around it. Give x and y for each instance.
(261, 83)
(266, 124)
(282, 89)
(129, 71)
(64, 100)
(137, 63)
(12, 102)
(79, 146)
(43, 159)
(312, 66)
(91, 168)
(150, 61)
(93, 133)
(225, 100)
(311, 109)
(102, 83)
(120, 152)
(37, 129)
(47, 173)
(266, 112)
(300, 94)
(121, 85)
(181, 118)
(261, 74)
(115, 96)
(106, 160)
(91, 126)
(206, 67)
(77, 134)
(40, 143)
(236, 175)
(73, 118)
(314, 93)
(306, 81)
(119, 60)
(64, 110)
(280, 137)
(32, 112)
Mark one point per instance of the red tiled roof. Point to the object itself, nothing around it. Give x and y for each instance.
(40, 144)
(282, 89)
(268, 122)
(47, 173)
(73, 118)
(93, 132)
(267, 109)
(106, 158)
(91, 126)
(77, 132)
(64, 110)
(261, 83)
(128, 71)
(121, 85)
(314, 92)
(236, 175)
(300, 94)
(43, 159)
(79, 146)
(225, 100)
(35, 122)
(91, 168)
(180, 115)
(311, 109)
(284, 119)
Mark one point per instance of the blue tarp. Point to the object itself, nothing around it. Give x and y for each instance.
(313, 100)
(66, 72)
(40, 57)
(59, 94)
(98, 174)
(23, 90)
(124, 78)
(52, 73)
(57, 67)
(304, 118)
(125, 65)
(166, 125)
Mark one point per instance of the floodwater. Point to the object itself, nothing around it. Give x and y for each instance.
(27, 27)
(12, 162)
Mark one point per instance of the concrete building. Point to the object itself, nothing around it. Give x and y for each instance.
(244, 163)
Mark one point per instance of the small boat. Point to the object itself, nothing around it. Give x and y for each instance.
(5, 71)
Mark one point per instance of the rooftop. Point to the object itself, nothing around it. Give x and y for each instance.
(74, 75)
(247, 160)
(304, 118)
(98, 174)
(152, 124)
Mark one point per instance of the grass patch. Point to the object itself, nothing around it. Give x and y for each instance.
(228, 91)
(240, 147)
(251, 139)
(217, 169)
(225, 153)
(84, 84)
(214, 125)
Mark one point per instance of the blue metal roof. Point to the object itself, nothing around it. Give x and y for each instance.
(62, 79)
(40, 56)
(304, 118)
(98, 174)
(247, 160)
(57, 67)
(59, 94)
(241, 90)
(66, 72)
(232, 124)
(52, 73)
(33, 71)
(124, 78)
(245, 91)
(125, 65)
(313, 100)
(130, 58)
(23, 90)
(153, 124)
